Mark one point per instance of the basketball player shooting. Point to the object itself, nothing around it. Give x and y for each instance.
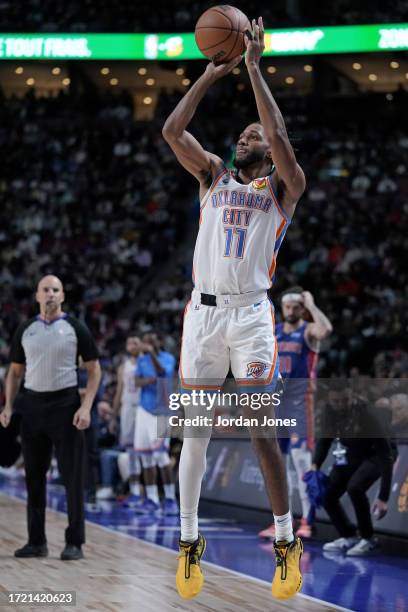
(229, 320)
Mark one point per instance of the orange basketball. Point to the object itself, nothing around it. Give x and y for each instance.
(219, 33)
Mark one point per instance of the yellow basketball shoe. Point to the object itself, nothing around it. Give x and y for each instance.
(189, 577)
(288, 579)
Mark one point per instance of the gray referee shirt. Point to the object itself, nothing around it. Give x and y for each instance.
(49, 350)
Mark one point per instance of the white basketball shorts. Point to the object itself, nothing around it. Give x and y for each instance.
(146, 438)
(127, 424)
(215, 337)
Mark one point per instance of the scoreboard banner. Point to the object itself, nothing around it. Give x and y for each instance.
(233, 476)
(299, 41)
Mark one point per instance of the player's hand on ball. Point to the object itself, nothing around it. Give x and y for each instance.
(216, 72)
(254, 43)
(82, 418)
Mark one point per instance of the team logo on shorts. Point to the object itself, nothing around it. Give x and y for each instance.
(259, 184)
(256, 369)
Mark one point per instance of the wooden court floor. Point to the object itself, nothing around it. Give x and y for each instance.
(122, 573)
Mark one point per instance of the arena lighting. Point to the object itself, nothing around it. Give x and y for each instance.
(394, 65)
(30, 81)
(185, 82)
(19, 70)
(357, 66)
(66, 81)
(373, 77)
(142, 71)
(299, 41)
(55, 71)
(150, 82)
(289, 80)
(180, 71)
(105, 70)
(114, 81)
(308, 68)
(236, 71)
(271, 69)
(147, 100)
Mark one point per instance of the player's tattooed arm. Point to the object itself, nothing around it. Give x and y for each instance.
(190, 153)
(289, 171)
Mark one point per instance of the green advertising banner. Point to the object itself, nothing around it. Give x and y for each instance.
(303, 41)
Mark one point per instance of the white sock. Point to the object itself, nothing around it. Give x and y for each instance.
(191, 472)
(152, 493)
(283, 527)
(135, 488)
(169, 491)
(189, 526)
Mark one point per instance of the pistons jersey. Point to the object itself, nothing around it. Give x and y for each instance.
(241, 230)
(297, 363)
(298, 367)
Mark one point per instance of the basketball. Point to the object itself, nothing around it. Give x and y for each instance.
(219, 33)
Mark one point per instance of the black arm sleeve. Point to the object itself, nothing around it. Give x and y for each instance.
(86, 344)
(321, 449)
(17, 354)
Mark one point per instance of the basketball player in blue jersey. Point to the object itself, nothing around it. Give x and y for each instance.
(298, 347)
(229, 322)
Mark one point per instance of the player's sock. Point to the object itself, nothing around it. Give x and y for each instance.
(135, 488)
(152, 493)
(189, 526)
(191, 472)
(283, 527)
(169, 491)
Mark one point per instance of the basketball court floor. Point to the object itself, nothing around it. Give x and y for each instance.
(131, 562)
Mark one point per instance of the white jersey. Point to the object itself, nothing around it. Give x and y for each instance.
(130, 393)
(241, 230)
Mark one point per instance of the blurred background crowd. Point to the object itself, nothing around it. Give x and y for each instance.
(91, 194)
(102, 16)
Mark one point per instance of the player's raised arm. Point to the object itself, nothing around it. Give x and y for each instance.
(289, 171)
(321, 326)
(192, 156)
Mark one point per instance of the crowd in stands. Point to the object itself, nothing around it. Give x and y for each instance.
(80, 195)
(88, 193)
(130, 16)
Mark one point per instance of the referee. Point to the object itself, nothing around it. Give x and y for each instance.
(44, 352)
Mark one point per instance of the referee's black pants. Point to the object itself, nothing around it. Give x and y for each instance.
(355, 479)
(47, 422)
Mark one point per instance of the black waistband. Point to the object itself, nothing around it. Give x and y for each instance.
(58, 393)
(208, 300)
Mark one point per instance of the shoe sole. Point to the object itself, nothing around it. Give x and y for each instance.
(31, 556)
